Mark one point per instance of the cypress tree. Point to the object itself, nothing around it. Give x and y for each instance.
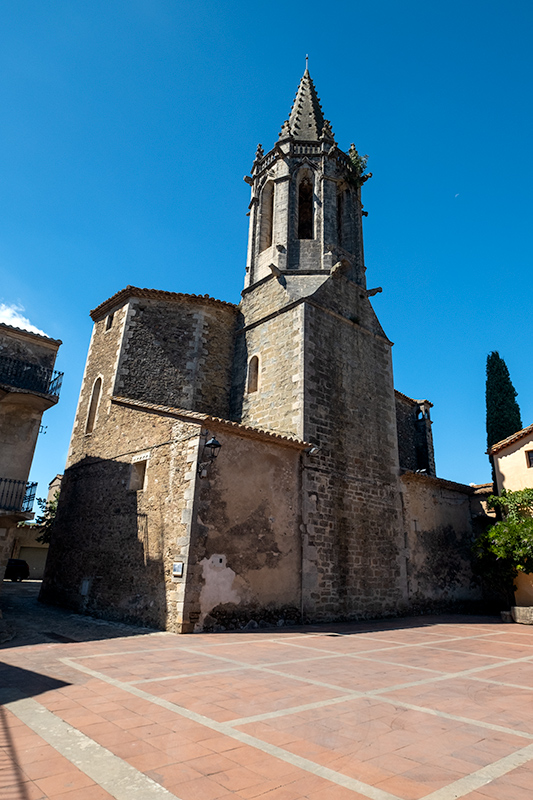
(503, 413)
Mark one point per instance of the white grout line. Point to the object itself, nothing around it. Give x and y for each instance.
(460, 787)
(116, 776)
(482, 776)
(372, 792)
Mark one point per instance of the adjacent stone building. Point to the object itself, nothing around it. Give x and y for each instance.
(28, 386)
(323, 503)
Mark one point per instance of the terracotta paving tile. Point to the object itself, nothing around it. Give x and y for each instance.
(361, 675)
(266, 785)
(151, 760)
(211, 764)
(489, 646)
(499, 705)
(427, 657)
(200, 789)
(364, 771)
(237, 778)
(137, 747)
(334, 792)
(72, 780)
(521, 674)
(403, 787)
(115, 738)
(500, 790)
(179, 749)
(88, 793)
(31, 792)
(406, 752)
(56, 765)
(171, 774)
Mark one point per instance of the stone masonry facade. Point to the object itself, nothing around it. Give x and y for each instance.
(323, 503)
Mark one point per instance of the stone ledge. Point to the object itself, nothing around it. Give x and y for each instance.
(522, 614)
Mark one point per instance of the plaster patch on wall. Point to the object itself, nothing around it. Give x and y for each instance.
(218, 584)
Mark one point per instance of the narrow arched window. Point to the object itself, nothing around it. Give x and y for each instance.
(93, 405)
(305, 209)
(253, 375)
(267, 216)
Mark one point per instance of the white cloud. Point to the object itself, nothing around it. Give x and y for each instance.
(12, 315)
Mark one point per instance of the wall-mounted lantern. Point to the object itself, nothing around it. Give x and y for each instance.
(209, 454)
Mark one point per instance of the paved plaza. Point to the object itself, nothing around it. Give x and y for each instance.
(425, 707)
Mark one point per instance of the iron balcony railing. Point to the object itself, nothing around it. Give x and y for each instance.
(34, 377)
(16, 495)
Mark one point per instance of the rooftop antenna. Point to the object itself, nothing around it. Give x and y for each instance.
(306, 62)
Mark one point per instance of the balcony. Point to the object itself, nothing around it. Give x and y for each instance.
(16, 496)
(32, 377)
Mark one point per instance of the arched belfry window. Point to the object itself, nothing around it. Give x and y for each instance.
(305, 209)
(253, 375)
(267, 216)
(93, 405)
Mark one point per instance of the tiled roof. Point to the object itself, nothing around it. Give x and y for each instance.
(153, 294)
(40, 336)
(510, 440)
(408, 475)
(410, 399)
(483, 488)
(207, 419)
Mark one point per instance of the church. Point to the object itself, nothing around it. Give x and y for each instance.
(248, 465)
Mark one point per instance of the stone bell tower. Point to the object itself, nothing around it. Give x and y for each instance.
(312, 361)
(305, 212)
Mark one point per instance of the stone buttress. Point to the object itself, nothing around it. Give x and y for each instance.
(312, 361)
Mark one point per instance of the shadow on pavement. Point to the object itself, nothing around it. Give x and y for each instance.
(29, 622)
(16, 684)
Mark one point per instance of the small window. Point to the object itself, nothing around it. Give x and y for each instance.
(109, 322)
(93, 405)
(529, 458)
(253, 374)
(137, 476)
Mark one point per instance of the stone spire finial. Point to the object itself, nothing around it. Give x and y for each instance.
(306, 120)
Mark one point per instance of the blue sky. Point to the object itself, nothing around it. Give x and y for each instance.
(126, 128)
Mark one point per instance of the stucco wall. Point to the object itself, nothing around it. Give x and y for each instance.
(245, 555)
(438, 538)
(511, 465)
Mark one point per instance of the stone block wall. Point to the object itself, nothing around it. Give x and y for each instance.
(415, 439)
(114, 546)
(178, 353)
(102, 362)
(277, 403)
(352, 513)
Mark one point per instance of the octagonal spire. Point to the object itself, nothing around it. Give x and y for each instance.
(306, 121)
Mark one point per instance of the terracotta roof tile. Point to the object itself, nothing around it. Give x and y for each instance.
(40, 336)
(247, 430)
(510, 440)
(411, 400)
(153, 294)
